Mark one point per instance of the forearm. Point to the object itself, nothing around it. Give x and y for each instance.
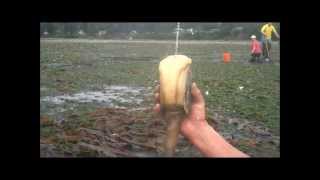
(211, 144)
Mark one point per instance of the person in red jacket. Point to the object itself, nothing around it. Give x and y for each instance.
(255, 49)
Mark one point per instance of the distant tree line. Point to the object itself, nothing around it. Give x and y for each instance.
(196, 31)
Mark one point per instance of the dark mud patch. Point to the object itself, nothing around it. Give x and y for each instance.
(122, 132)
(118, 132)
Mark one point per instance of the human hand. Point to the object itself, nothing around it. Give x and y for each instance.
(197, 130)
(196, 119)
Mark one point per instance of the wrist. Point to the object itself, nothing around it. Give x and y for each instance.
(191, 129)
(206, 140)
(211, 144)
(199, 134)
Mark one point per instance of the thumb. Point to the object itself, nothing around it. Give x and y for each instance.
(198, 105)
(197, 98)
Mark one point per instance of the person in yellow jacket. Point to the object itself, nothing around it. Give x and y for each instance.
(267, 30)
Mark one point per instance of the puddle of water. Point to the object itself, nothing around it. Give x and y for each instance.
(43, 89)
(55, 65)
(58, 65)
(110, 95)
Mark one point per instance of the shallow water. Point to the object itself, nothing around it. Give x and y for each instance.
(110, 95)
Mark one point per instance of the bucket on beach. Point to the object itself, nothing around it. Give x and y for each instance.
(226, 57)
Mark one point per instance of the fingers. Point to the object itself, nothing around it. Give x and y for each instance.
(156, 108)
(157, 89)
(198, 102)
(197, 97)
(157, 98)
(198, 105)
